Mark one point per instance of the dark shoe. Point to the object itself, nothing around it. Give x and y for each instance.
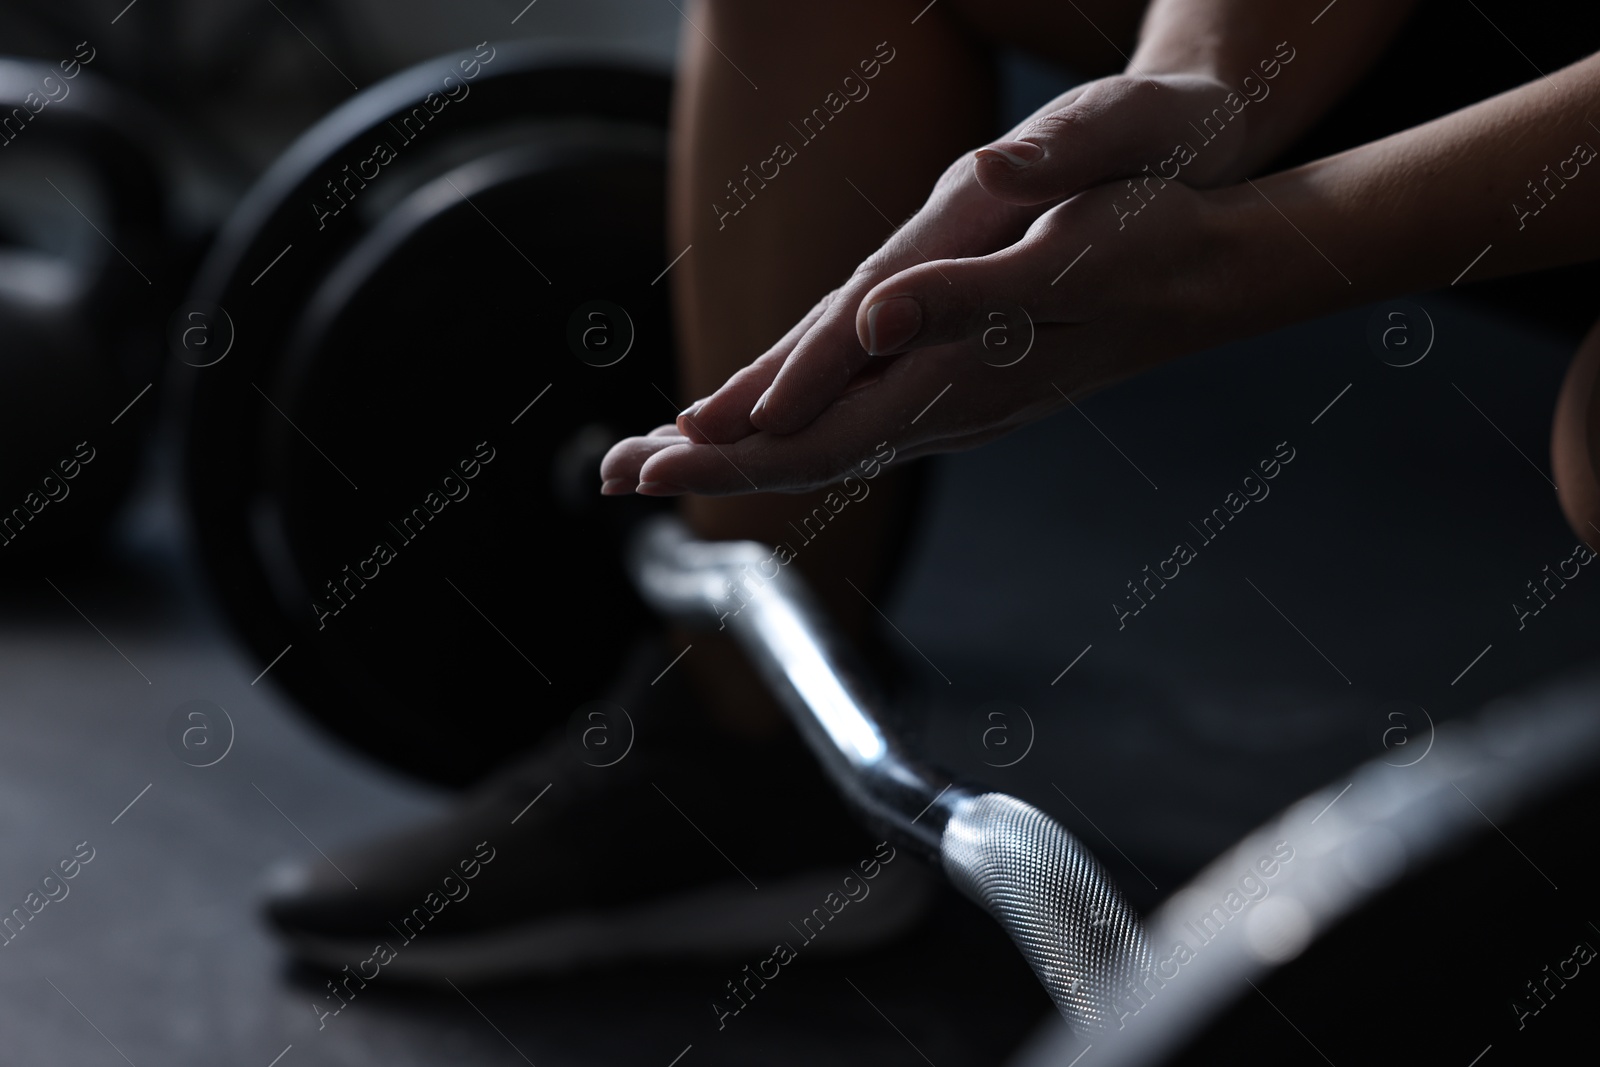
(639, 833)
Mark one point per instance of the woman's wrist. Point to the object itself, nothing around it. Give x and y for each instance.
(1290, 70)
(1262, 271)
(1497, 189)
(1243, 98)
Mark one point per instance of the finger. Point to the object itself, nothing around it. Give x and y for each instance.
(859, 435)
(821, 453)
(619, 470)
(856, 434)
(1110, 131)
(724, 416)
(826, 360)
(961, 219)
(819, 369)
(992, 301)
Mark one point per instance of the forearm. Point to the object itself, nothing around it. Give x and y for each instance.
(1236, 40)
(1509, 185)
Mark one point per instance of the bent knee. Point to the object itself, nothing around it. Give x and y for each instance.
(1575, 441)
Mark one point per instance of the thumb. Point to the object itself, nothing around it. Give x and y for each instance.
(992, 299)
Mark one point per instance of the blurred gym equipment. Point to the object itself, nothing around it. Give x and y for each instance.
(1038, 881)
(509, 179)
(1419, 863)
(446, 287)
(87, 258)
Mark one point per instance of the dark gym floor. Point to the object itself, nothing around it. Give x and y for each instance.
(1381, 568)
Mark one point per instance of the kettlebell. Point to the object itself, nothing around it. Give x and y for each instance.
(83, 294)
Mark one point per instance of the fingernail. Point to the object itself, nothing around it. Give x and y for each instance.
(891, 324)
(1017, 153)
(660, 489)
(616, 486)
(761, 405)
(685, 421)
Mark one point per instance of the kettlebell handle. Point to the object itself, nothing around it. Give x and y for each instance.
(98, 123)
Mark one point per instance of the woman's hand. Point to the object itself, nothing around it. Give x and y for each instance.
(1000, 340)
(1123, 126)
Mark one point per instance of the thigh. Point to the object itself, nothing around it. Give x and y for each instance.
(1091, 37)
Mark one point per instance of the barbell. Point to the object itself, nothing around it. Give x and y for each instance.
(415, 337)
(398, 369)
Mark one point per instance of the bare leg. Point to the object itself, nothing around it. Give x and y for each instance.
(1575, 441)
(751, 74)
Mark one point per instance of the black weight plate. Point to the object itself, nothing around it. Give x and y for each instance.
(416, 355)
(435, 315)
